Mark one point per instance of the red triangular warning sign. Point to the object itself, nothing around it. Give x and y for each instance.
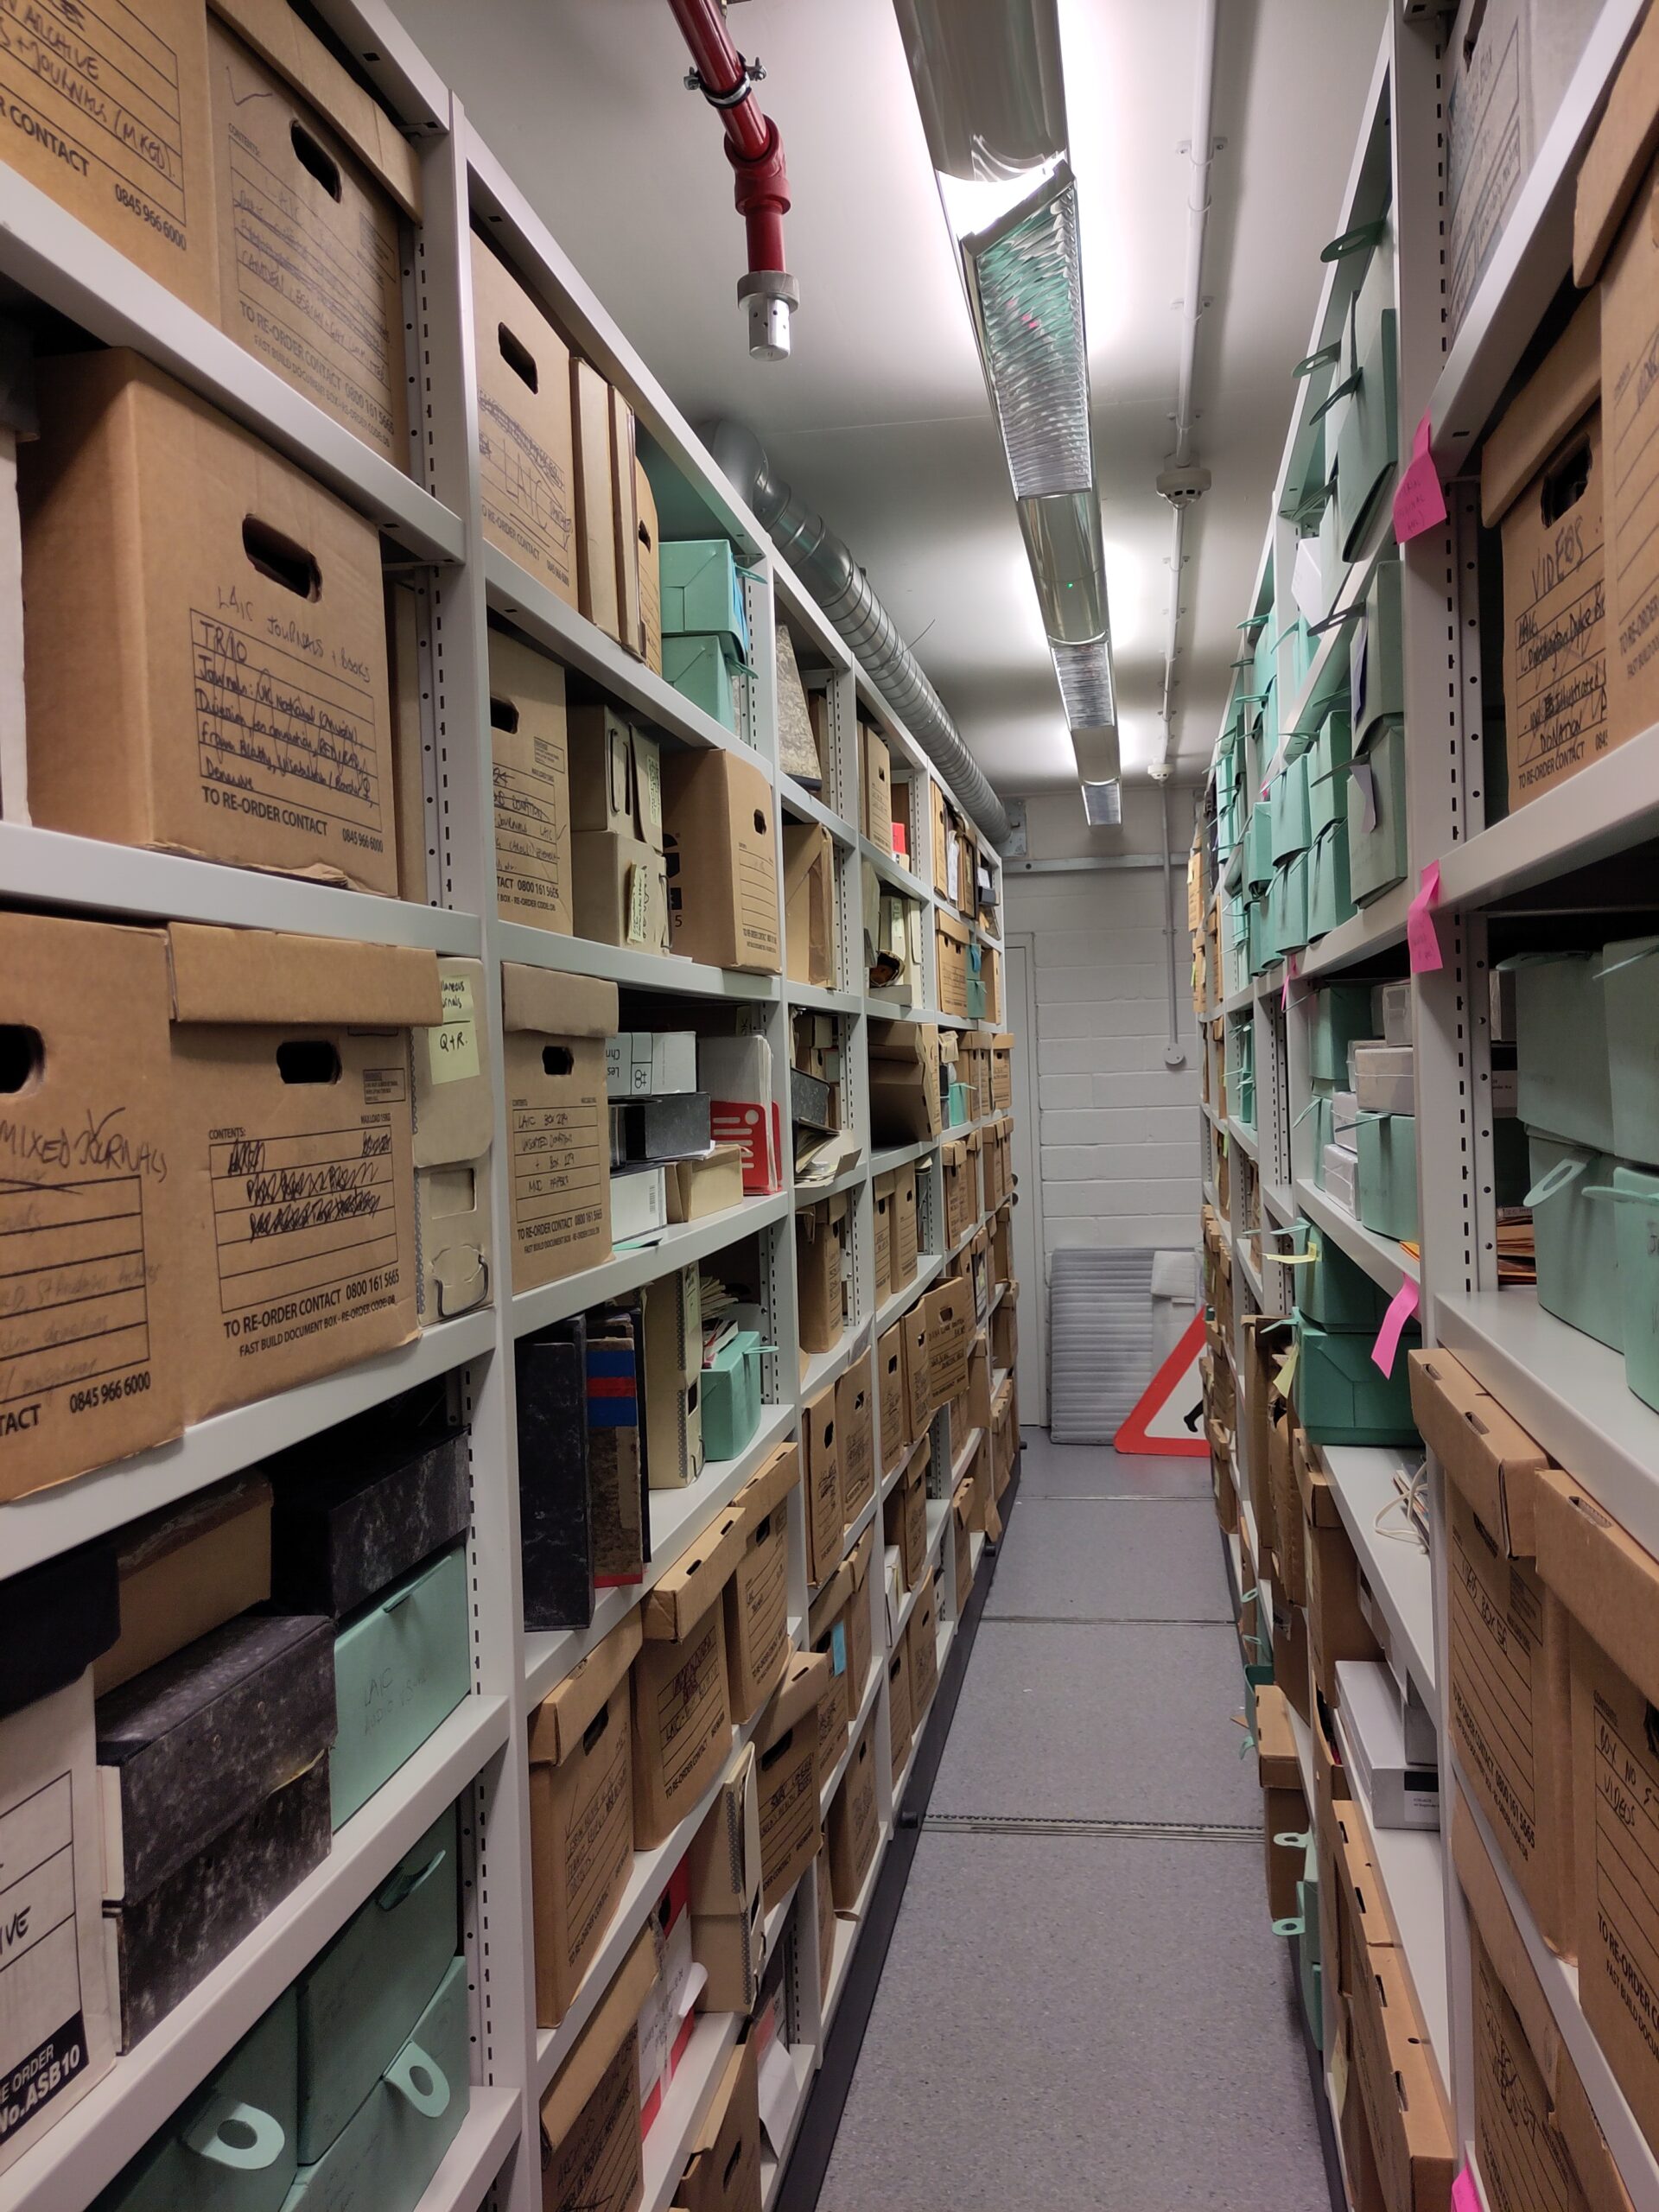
(1168, 1418)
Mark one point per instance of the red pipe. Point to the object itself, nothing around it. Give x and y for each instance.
(753, 146)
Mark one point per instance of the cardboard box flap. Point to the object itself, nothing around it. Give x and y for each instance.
(949, 926)
(805, 1682)
(278, 36)
(1562, 391)
(1603, 1577)
(276, 978)
(1490, 1456)
(1002, 1041)
(1618, 156)
(601, 2040)
(564, 1716)
(1319, 1508)
(685, 1591)
(1275, 1744)
(1489, 1909)
(553, 1005)
(829, 1600)
(767, 1488)
(858, 1560)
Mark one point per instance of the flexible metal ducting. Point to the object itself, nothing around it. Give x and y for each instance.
(827, 569)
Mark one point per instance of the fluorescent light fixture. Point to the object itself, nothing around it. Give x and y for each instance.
(1085, 680)
(1102, 805)
(1025, 287)
(979, 203)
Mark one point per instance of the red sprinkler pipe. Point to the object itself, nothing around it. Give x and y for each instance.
(756, 153)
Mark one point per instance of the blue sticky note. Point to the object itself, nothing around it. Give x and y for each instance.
(838, 1649)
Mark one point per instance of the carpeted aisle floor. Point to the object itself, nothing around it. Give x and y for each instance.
(1083, 2006)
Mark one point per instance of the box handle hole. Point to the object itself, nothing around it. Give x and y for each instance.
(518, 356)
(557, 1059)
(281, 559)
(1567, 482)
(22, 1056)
(316, 159)
(504, 716)
(307, 1059)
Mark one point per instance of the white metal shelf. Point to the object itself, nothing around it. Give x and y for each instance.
(820, 1369)
(902, 1155)
(1363, 1481)
(1374, 929)
(807, 806)
(1605, 808)
(631, 1265)
(865, 1706)
(893, 872)
(522, 942)
(1385, 1262)
(818, 999)
(1410, 1865)
(478, 2153)
(92, 2143)
(850, 1179)
(927, 1268)
(849, 1928)
(1244, 1137)
(690, 2096)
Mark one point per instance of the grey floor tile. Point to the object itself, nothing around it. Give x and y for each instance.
(1091, 1723)
(1133, 1559)
(1097, 1470)
(1089, 2025)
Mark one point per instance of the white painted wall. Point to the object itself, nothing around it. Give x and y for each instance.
(1118, 1131)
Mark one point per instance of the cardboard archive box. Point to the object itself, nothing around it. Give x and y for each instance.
(312, 178)
(757, 1596)
(722, 865)
(454, 1124)
(786, 1748)
(1337, 1628)
(809, 904)
(1284, 1810)
(598, 567)
(557, 1120)
(237, 704)
(292, 1082)
(185, 1569)
(591, 2150)
(918, 1376)
(881, 1194)
(616, 777)
(950, 941)
(647, 567)
(1509, 1697)
(682, 1696)
(581, 1815)
(855, 1417)
(823, 1261)
(723, 2173)
(900, 1713)
(854, 1824)
(904, 1080)
(875, 787)
(526, 460)
(531, 770)
(825, 1522)
(827, 1634)
(906, 1517)
(949, 1330)
(728, 1919)
(1407, 2122)
(893, 1399)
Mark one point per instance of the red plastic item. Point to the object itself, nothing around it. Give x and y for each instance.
(753, 146)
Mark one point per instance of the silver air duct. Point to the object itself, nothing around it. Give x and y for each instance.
(842, 590)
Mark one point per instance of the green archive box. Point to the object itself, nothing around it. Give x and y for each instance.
(1287, 808)
(1575, 1235)
(1327, 773)
(230, 2147)
(1377, 811)
(1563, 1047)
(1388, 1175)
(1339, 1013)
(395, 2141)
(957, 1112)
(1383, 687)
(359, 2003)
(401, 1666)
(1634, 1207)
(705, 670)
(1343, 1396)
(1244, 1101)
(1332, 1289)
(1288, 907)
(702, 592)
(1262, 951)
(731, 1393)
(1329, 905)
(1258, 847)
(1318, 1114)
(1630, 990)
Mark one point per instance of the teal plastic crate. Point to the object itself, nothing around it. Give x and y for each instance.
(1340, 1013)
(230, 2147)
(1563, 1079)
(731, 1396)
(1629, 989)
(1329, 903)
(413, 1638)
(1634, 1208)
(1376, 812)
(1332, 1289)
(1327, 773)
(702, 592)
(1575, 1237)
(1288, 811)
(1388, 1175)
(705, 670)
(1343, 1396)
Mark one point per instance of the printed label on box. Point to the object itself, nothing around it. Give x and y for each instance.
(560, 1173)
(532, 829)
(452, 1048)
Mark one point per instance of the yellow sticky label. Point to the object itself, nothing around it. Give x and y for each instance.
(1287, 1374)
(650, 775)
(452, 1047)
(638, 906)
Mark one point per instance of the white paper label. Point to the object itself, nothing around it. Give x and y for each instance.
(452, 1047)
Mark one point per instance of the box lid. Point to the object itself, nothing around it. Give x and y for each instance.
(685, 1591)
(270, 977)
(858, 1560)
(764, 1490)
(806, 1681)
(1562, 389)
(600, 2040)
(1618, 156)
(829, 1600)
(564, 1716)
(1490, 1456)
(1603, 1576)
(1275, 1744)
(556, 1005)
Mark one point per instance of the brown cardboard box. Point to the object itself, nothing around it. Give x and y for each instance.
(1617, 240)
(723, 2173)
(670, 1342)
(453, 1119)
(757, 1597)
(530, 761)
(958, 1208)
(1508, 1689)
(979, 1380)
(961, 1509)
(1284, 1810)
(951, 943)
(825, 1522)
(707, 1183)
(619, 891)
(875, 789)
(526, 455)
(894, 1407)
(949, 1324)
(599, 568)
(297, 1185)
(557, 1120)
(903, 1079)
(919, 1386)
(1292, 1542)
(1002, 1071)
(240, 614)
(860, 1638)
(95, 1217)
(900, 1718)
(1266, 1343)
(1611, 1588)
(186, 1570)
(826, 1922)
(881, 1191)
(591, 2159)
(722, 864)
(1541, 477)
(922, 1638)
(625, 477)
(681, 1703)
(809, 904)
(581, 1815)
(904, 1228)
(616, 776)
(855, 1412)
(648, 564)
(854, 1824)
(1336, 1627)
(786, 1743)
(827, 1634)
(820, 1264)
(1532, 2116)
(308, 190)
(906, 1512)
(1408, 2123)
(1289, 1626)
(728, 1920)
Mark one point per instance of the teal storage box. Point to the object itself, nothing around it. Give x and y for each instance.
(1334, 1290)
(1367, 441)
(705, 670)
(1310, 1965)
(230, 2148)
(401, 1667)
(359, 2003)
(395, 2141)
(1261, 936)
(1244, 1101)
(1342, 1397)
(1382, 688)
(1634, 1208)
(1317, 1117)
(1288, 811)
(1388, 1175)
(1629, 989)
(1329, 905)
(703, 592)
(1340, 1013)
(1327, 774)
(731, 1396)
(1287, 908)
(1576, 1237)
(958, 1110)
(1563, 1048)
(1376, 812)
(1258, 847)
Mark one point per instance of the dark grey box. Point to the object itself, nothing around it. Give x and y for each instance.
(666, 1127)
(811, 1102)
(358, 1506)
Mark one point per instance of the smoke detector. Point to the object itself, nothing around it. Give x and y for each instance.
(1183, 487)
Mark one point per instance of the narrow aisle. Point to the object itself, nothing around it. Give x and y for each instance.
(1083, 2005)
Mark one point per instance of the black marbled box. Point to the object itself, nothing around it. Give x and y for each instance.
(555, 1520)
(55, 1620)
(194, 1745)
(167, 1941)
(359, 1505)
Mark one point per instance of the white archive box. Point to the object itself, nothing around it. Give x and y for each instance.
(1342, 1177)
(1373, 1737)
(1344, 1121)
(1385, 1080)
(650, 1063)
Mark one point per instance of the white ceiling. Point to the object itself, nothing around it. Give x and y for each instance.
(881, 419)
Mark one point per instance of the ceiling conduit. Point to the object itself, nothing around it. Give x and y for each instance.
(827, 569)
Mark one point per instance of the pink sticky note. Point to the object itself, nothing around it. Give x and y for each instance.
(1465, 2197)
(1290, 970)
(1402, 1306)
(1419, 502)
(1421, 942)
